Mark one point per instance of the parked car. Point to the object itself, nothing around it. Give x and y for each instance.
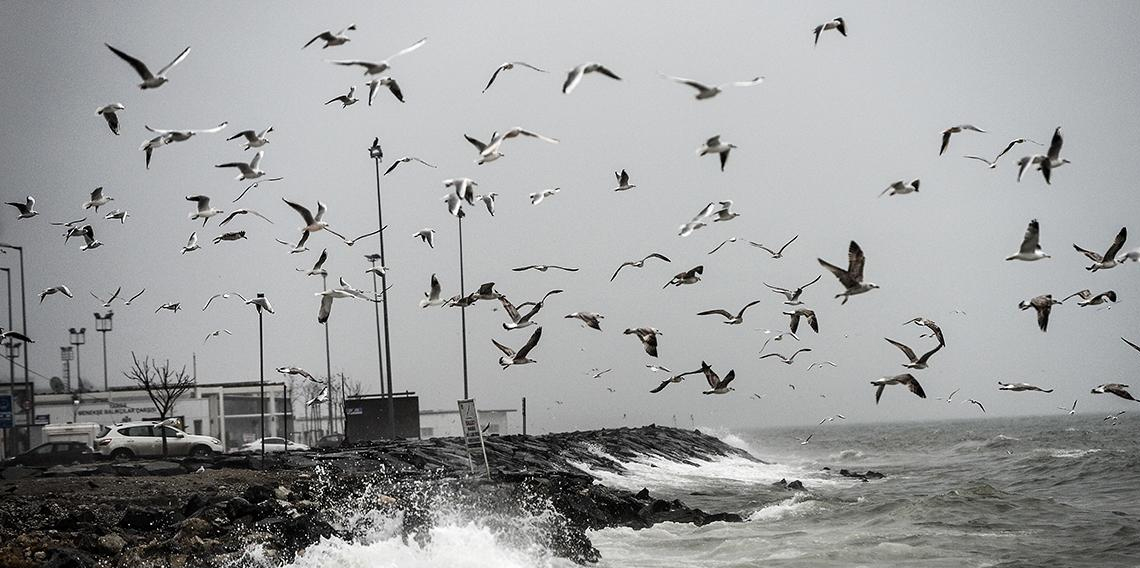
(54, 453)
(272, 445)
(135, 439)
(330, 441)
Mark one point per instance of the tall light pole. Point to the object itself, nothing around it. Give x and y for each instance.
(377, 154)
(11, 351)
(373, 259)
(24, 323)
(261, 370)
(103, 325)
(78, 337)
(66, 354)
(11, 367)
(328, 357)
(463, 307)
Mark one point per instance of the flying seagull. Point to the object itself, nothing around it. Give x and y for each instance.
(246, 171)
(728, 317)
(11, 335)
(718, 385)
(906, 379)
(639, 263)
(172, 307)
(590, 319)
(431, 298)
(1043, 304)
(489, 152)
(389, 82)
(1090, 300)
(150, 80)
(405, 160)
(1130, 344)
(508, 66)
(779, 253)
(543, 268)
(715, 146)
(648, 337)
(322, 397)
(707, 92)
(254, 185)
(89, 240)
(820, 364)
(1116, 389)
(318, 266)
(108, 114)
(1045, 163)
(1072, 410)
(298, 372)
(852, 278)
(171, 136)
(837, 24)
(676, 378)
(331, 39)
(691, 276)
(376, 68)
(26, 208)
(954, 130)
(345, 99)
(793, 296)
(61, 289)
(537, 197)
(427, 235)
(1109, 259)
(802, 313)
(353, 241)
(949, 398)
(237, 212)
(972, 401)
(915, 361)
(97, 199)
(131, 300)
(253, 139)
(342, 291)
(313, 223)
(623, 181)
(1018, 387)
(1031, 244)
(786, 360)
(575, 75)
(191, 243)
(107, 302)
(511, 357)
(224, 296)
(205, 211)
(901, 188)
(933, 327)
(216, 333)
(117, 215)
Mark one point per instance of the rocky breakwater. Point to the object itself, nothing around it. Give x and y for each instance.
(210, 512)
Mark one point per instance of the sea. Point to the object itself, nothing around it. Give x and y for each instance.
(1055, 491)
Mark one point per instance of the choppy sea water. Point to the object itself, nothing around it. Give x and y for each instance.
(1043, 491)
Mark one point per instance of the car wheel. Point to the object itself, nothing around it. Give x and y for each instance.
(122, 454)
(200, 451)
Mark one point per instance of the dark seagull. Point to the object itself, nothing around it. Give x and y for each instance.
(906, 379)
(852, 278)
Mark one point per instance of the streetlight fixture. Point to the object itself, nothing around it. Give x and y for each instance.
(377, 154)
(261, 303)
(24, 323)
(103, 324)
(78, 337)
(66, 354)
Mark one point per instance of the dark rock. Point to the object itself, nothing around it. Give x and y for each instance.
(162, 468)
(643, 494)
(71, 470)
(68, 558)
(196, 502)
(20, 472)
(238, 507)
(111, 544)
(257, 493)
(143, 518)
(796, 485)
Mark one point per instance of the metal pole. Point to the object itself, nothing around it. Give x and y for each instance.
(261, 363)
(463, 308)
(524, 416)
(105, 388)
(328, 360)
(78, 370)
(285, 427)
(376, 155)
(344, 407)
(11, 370)
(376, 306)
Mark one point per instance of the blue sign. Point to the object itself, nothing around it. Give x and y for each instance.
(5, 411)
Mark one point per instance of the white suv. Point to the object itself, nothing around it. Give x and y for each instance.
(125, 441)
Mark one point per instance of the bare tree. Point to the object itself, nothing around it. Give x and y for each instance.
(162, 384)
(347, 391)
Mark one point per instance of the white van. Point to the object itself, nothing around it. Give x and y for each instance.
(85, 432)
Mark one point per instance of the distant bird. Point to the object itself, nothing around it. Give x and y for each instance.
(297, 371)
(521, 357)
(677, 378)
(26, 208)
(489, 201)
(489, 152)
(405, 160)
(454, 205)
(237, 212)
(648, 337)
(252, 170)
(389, 82)
(255, 185)
(537, 197)
(1072, 410)
(779, 253)
(313, 223)
(1130, 344)
(715, 146)
(1091, 300)
(108, 114)
(1046, 163)
(1013, 143)
(150, 80)
(590, 319)
(807, 440)
(205, 211)
(131, 300)
(117, 215)
(1031, 244)
(906, 379)
(89, 240)
(173, 307)
(350, 242)
(97, 199)
(11, 335)
(852, 278)
(954, 130)
(623, 181)
(972, 401)
(915, 361)
(718, 385)
(318, 266)
(108, 301)
(725, 242)
(191, 243)
(1114, 417)
(778, 337)
(658, 369)
(837, 24)
(709, 91)
(61, 289)
(67, 223)
(1043, 305)
(1108, 260)
(691, 276)
(597, 373)
(216, 333)
(991, 164)
(320, 398)
(224, 296)
(230, 236)
(1018, 387)
(812, 321)
(575, 75)
(331, 39)
(786, 360)
(296, 248)
(1116, 389)
(518, 319)
(949, 398)
(639, 263)
(728, 317)
(508, 66)
(376, 68)
(346, 99)
(426, 235)
(253, 139)
(432, 296)
(820, 364)
(901, 188)
(933, 327)
(543, 268)
(171, 136)
(153, 144)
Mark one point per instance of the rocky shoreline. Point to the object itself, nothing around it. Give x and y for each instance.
(209, 511)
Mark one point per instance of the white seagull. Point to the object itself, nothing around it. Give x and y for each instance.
(813, 322)
(313, 223)
(108, 114)
(538, 196)
(852, 278)
(432, 298)
(837, 24)
(237, 212)
(331, 39)
(639, 263)
(1045, 163)
(389, 82)
(405, 160)
(954, 130)
(648, 337)
(61, 289)
(1019, 387)
(1108, 260)
(216, 333)
(511, 357)
(318, 266)
(728, 317)
(575, 75)
(248, 171)
(253, 139)
(623, 181)
(376, 68)
(107, 303)
(508, 66)
(915, 361)
(1088, 299)
(718, 385)
(901, 188)
(707, 92)
(89, 238)
(715, 146)
(1030, 245)
(205, 211)
(906, 379)
(97, 199)
(427, 235)
(346, 99)
(191, 243)
(26, 208)
(117, 215)
(150, 80)
(589, 319)
(776, 254)
(792, 296)
(786, 360)
(489, 152)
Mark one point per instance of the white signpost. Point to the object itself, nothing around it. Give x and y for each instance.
(473, 438)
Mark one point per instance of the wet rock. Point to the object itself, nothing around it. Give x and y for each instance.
(162, 468)
(68, 558)
(110, 544)
(257, 493)
(20, 472)
(143, 518)
(796, 485)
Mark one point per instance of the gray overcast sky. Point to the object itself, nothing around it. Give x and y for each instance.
(828, 130)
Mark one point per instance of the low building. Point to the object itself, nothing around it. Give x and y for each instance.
(445, 423)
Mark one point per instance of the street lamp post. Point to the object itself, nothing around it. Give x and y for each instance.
(78, 337)
(11, 365)
(328, 357)
(24, 323)
(373, 259)
(463, 308)
(261, 365)
(377, 154)
(66, 354)
(11, 351)
(103, 325)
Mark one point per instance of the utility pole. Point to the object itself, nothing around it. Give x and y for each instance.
(377, 154)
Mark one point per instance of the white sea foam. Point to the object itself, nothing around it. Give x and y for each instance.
(1071, 453)
(797, 505)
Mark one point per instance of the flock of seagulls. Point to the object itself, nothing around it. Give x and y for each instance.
(465, 191)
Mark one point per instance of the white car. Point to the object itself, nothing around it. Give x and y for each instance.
(134, 439)
(272, 445)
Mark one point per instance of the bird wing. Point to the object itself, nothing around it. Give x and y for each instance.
(912, 384)
(530, 343)
(716, 312)
(528, 65)
(572, 79)
(662, 386)
(945, 141)
(1094, 256)
(1055, 145)
(1117, 243)
(394, 88)
(746, 306)
(749, 83)
(623, 265)
(906, 350)
(1130, 344)
(138, 66)
(231, 216)
(519, 131)
(436, 289)
(855, 261)
(325, 35)
(723, 159)
(727, 379)
(694, 84)
(410, 48)
(842, 275)
(979, 404)
(926, 356)
(494, 75)
(1043, 315)
(302, 210)
(601, 69)
(1084, 294)
(326, 309)
(506, 350)
(879, 391)
(248, 134)
(1032, 240)
(476, 143)
(176, 61)
(321, 259)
